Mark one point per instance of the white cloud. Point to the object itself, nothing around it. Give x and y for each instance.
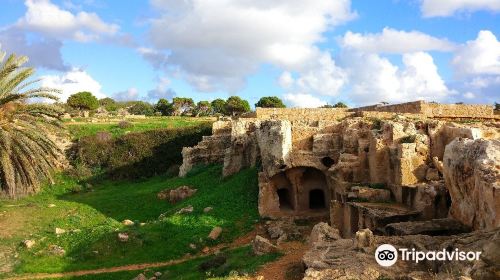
(394, 41)
(162, 90)
(480, 56)
(216, 44)
(303, 100)
(72, 82)
(286, 80)
(374, 79)
(130, 94)
(321, 76)
(47, 18)
(42, 52)
(435, 8)
(469, 95)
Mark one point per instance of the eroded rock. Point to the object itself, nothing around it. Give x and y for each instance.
(177, 194)
(262, 246)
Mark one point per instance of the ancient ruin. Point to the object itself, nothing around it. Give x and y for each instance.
(383, 168)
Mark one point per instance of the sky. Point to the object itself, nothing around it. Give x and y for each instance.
(308, 53)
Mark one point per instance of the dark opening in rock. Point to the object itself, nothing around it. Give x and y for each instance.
(316, 199)
(327, 161)
(284, 199)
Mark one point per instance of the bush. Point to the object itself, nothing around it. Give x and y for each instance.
(138, 155)
(124, 124)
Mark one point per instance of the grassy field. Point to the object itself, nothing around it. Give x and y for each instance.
(92, 219)
(81, 127)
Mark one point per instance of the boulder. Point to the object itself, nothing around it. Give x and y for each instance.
(322, 232)
(215, 233)
(123, 237)
(261, 246)
(187, 209)
(128, 223)
(472, 176)
(207, 209)
(28, 243)
(56, 250)
(59, 231)
(140, 277)
(177, 194)
(274, 138)
(364, 238)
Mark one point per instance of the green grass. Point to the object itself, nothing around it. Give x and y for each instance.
(98, 215)
(82, 128)
(239, 260)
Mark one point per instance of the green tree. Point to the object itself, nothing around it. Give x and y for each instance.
(164, 107)
(203, 108)
(141, 108)
(83, 100)
(182, 105)
(219, 106)
(270, 102)
(109, 104)
(336, 105)
(28, 154)
(235, 105)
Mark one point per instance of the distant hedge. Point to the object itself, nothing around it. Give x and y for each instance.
(139, 154)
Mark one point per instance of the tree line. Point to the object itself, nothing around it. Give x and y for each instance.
(179, 106)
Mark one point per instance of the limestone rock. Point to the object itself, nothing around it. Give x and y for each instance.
(472, 176)
(261, 246)
(207, 209)
(177, 194)
(322, 232)
(28, 243)
(364, 238)
(432, 174)
(59, 231)
(187, 209)
(275, 142)
(56, 250)
(370, 194)
(215, 233)
(123, 237)
(140, 277)
(488, 267)
(127, 223)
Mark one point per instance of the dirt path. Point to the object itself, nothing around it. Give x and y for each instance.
(290, 262)
(239, 242)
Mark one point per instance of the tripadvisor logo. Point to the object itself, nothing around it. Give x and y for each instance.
(387, 255)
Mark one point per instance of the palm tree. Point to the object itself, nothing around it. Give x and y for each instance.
(28, 152)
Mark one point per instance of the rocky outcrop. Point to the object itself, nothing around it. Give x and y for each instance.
(344, 259)
(275, 142)
(177, 194)
(472, 176)
(261, 246)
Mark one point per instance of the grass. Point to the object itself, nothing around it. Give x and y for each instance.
(96, 216)
(239, 261)
(81, 128)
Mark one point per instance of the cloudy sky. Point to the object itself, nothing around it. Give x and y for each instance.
(309, 53)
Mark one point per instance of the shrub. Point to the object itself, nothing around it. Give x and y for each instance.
(124, 124)
(138, 155)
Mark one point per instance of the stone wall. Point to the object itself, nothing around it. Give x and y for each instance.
(431, 109)
(294, 114)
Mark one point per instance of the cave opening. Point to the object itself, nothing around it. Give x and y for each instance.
(316, 199)
(284, 199)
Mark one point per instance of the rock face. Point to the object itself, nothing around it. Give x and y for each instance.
(472, 175)
(364, 168)
(261, 246)
(177, 194)
(322, 232)
(342, 259)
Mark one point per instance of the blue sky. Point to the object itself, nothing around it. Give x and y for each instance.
(308, 53)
